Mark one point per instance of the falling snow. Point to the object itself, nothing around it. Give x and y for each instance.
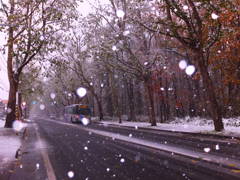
(207, 150)
(9, 110)
(85, 121)
(53, 95)
(122, 160)
(81, 92)
(70, 174)
(42, 107)
(190, 70)
(146, 63)
(120, 13)
(214, 16)
(182, 64)
(18, 125)
(185, 7)
(114, 48)
(125, 33)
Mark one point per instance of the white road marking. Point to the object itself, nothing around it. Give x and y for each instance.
(163, 147)
(47, 163)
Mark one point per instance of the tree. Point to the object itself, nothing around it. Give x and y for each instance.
(74, 57)
(225, 58)
(133, 55)
(127, 55)
(30, 25)
(196, 26)
(30, 86)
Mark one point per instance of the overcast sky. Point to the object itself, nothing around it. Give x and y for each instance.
(87, 6)
(4, 85)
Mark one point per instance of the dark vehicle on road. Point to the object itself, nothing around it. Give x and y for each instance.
(78, 113)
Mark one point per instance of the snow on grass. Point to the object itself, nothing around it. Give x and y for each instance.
(232, 122)
(9, 146)
(2, 123)
(187, 124)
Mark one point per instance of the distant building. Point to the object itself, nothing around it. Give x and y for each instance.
(3, 101)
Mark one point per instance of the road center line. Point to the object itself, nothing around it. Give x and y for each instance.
(47, 163)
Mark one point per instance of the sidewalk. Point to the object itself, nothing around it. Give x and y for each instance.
(31, 165)
(27, 163)
(9, 144)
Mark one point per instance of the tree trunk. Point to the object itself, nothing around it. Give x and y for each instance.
(191, 103)
(115, 100)
(139, 101)
(151, 109)
(210, 91)
(167, 106)
(130, 93)
(11, 75)
(100, 109)
(132, 115)
(161, 99)
(11, 116)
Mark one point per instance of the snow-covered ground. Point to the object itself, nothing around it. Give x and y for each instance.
(187, 124)
(1, 123)
(231, 122)
(9, 143)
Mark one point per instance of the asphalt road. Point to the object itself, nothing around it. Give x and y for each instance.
(223, 146)
(76, 153)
